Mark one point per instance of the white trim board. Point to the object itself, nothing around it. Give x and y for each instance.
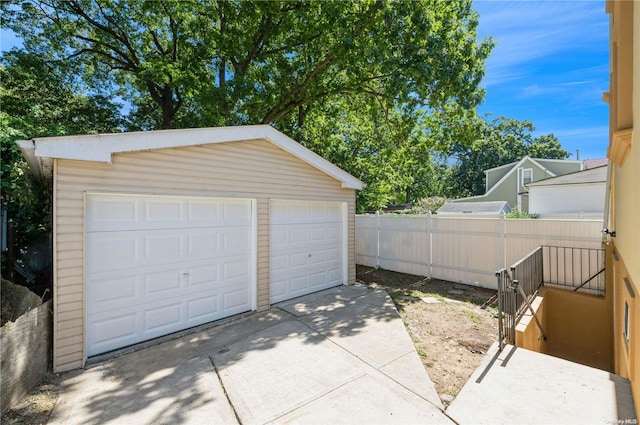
(100, 147)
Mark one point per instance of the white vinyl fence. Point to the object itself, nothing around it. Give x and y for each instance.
(462, 249)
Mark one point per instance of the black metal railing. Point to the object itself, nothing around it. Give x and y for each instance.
(529, 273)
(580, 269)
(506, 309)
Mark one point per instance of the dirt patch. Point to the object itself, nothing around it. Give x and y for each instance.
(36, 407)
(452, 325)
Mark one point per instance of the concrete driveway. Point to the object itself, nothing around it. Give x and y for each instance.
(337, 356)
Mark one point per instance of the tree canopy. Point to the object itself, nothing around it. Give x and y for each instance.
(501, 141)
(208, 63)
(378, 87)
(39, 99)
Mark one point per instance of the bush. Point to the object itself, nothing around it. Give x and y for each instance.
(516, 213)
(425, 205)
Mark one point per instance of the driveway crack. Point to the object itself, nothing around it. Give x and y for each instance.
(224, 389)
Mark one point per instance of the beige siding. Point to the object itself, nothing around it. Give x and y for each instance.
(250, 169)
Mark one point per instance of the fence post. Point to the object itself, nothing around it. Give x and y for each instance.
(500, 277)
(377, 239)
(503, 240)
(429, 245)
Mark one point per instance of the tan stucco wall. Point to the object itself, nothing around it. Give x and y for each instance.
(627, 177)
(578, 328)
(528, 333)
(249, 169)
(625, 187)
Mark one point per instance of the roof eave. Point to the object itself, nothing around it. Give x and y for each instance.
(40, 167)
(100, 147)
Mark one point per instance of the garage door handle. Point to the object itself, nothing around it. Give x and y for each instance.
(185, 274)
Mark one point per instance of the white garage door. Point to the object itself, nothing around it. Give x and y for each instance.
(307, 248)
(156, 265)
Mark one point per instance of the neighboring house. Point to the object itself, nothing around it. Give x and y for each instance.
(579, 194)
(623, 212)
(588, 164)
(508, 182)
(483, 208)
(160, 231)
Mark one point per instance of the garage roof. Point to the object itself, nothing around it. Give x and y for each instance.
(40, 152)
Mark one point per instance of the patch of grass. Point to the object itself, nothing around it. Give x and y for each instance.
(422, 353)
(475, 318)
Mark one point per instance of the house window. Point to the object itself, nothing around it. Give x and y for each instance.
(526, 176)
(627, 319)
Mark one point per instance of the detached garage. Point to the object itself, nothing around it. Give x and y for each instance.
(157, 232)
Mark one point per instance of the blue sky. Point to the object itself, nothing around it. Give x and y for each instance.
(550, 66)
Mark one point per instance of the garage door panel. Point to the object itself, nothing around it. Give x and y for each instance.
(164, 264)
(236, 240)
(202, 212)
(297, 260)
(205, 243)
(317, 279)
(203, 275)
(162, 317)
(164, 283)
(236, 211)
(335, 275)
(277, 288)
(121, 249)
(163, 212)
(317, 256)
(285, 236)
(306, 247)
(107, 212)
(118, 327)
(110, 330)
(299, 283)
(233, 300)
(163, 247)
(118, 289)
(278, 262)
(127, 250)
(236, 269)
(289, 212)
(334, 255)
(122, 212)
(206, 307)
(114, 289)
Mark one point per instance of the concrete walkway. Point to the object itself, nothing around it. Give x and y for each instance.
(518, 386)
(341, 356)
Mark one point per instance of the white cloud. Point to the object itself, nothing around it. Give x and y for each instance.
(590, 132)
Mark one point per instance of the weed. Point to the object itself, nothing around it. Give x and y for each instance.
(473, 316)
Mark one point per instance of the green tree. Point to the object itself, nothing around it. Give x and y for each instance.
(206, 62)
(378, 87)
(394, 152)
(39, 100)
(501, 141)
